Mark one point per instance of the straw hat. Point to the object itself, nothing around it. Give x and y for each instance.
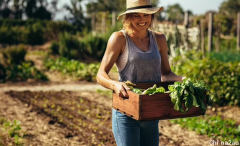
(140, 6)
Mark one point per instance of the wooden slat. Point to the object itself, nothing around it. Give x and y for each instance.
(128, 106)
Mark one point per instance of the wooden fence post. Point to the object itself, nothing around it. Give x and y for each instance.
(210, 26)
(186, 19)
(93, 23)
(103, 22)
(113, 19)
(238, 32)
(202, 37)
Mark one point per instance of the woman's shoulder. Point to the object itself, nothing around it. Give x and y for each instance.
(117, 41)
(117, 36)
(160, 36)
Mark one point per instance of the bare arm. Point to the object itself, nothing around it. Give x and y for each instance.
(115, 46)
(166, 72)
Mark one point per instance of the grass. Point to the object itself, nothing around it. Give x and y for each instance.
(212, 126)
(107, 93)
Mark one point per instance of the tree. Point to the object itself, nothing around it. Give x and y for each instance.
(230, 8)
(76, 11)
(32, 10)
(228, 15)
(175, 13)
(5, 12)
(18, 8)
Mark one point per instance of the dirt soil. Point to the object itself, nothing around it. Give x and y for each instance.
(72, 116)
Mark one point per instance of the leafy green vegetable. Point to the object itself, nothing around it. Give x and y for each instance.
(136, 90)
(190, 93)
(153, 90)
(150, 91)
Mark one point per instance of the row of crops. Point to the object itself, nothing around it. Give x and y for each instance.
(87, 119)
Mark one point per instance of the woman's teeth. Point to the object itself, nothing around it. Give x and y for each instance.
(142, 24)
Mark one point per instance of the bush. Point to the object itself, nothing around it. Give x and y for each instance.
(69, 46)
(14, 55)
(73, 68)
(31, 31)
(95, 46)
(22, 72)
(223, 78)
(34, 34)
(2, 73)
(54, 48)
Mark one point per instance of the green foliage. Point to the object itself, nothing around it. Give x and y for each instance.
(153, 90)
(190, 93)
(22, 72)
(222, 78)
(224, 44)
(10, 133)
(34, 34)
(54, 48)
(107, 93)
(212, 126)
(226, 56)
(223, 24)
(15, 68)
(14, 54)
(175, 13)
(70, 46)
(73, 68)
(2, 73)
(230, 8)
(31, 31)
(95, 46)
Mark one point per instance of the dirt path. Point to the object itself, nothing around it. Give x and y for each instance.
(42, 132)
(55, 87)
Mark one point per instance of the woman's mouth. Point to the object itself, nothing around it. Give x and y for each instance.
(142, 24)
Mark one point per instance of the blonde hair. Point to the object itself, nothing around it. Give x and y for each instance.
(127, 25)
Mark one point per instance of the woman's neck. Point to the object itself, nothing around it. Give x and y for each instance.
(139, 34)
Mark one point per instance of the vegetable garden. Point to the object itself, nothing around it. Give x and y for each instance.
(65, 55)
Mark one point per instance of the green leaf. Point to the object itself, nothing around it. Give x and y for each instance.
(195, 101)
(136, 90)
(149, 90)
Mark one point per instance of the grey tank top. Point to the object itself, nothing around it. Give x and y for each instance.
(142, 66)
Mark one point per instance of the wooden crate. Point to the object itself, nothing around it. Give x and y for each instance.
(154, 107)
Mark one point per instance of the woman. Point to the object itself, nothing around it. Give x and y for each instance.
(140, 56)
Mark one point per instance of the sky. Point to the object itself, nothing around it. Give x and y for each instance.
(196, 6)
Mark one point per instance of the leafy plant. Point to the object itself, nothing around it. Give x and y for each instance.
(10, 133)
(190, 93)
(153, 90)
(222, 78)
(54, 48)
(73, 68)
(212, 126)
(23, 72)
(14, 54)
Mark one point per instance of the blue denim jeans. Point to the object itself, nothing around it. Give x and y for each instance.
(130, 132)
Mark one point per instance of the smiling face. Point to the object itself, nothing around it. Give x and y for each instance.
(137, 21)
(141, 21)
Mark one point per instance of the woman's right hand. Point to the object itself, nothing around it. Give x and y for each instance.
(120, 89)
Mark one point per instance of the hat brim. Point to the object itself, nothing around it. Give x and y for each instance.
(143, 10)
